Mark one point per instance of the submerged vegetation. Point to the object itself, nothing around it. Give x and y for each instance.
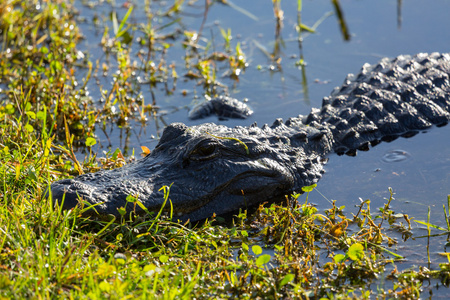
(49, 117)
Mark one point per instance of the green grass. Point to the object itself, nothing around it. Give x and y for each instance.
(289, 250)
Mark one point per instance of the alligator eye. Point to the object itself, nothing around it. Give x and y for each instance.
(204, 152)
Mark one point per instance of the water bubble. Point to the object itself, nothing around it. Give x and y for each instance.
(393, 156)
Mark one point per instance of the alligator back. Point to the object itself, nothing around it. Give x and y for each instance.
(396, 97)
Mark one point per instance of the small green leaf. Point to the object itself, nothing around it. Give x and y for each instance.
(356, 251)
(115, 154)
(309, 188)
(29, 128)
(286, 279)
(56, 66)
(120, 259)
(279, 247)
(126, 38)
(105, 286)
(151, 270)
(31, 114)
(263, 259)
(257, 249)
(295, 195)
(338, 258)
(41, 115)
(122, 211)
(5, 151)
(131, 199)
(9, 109)
(119, 237)
(163, 258)
(245, 247)
(150, 267)
(90, 142)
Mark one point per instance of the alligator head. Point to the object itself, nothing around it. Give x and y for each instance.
(210, 168)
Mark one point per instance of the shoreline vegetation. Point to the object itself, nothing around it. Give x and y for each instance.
(48, 118)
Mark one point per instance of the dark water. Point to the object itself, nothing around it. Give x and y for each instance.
(418, 169)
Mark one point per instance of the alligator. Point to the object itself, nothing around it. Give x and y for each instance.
(214, 169)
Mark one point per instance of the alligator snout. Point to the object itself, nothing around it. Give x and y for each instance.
(63, 192)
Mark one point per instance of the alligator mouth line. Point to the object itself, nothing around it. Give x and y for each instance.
(226, 188)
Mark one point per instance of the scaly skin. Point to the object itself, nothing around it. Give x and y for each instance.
(223, 107)
(217, 169)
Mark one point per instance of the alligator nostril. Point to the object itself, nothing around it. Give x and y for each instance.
(66, 181)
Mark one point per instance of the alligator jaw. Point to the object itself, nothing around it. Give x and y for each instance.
(246, 189)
